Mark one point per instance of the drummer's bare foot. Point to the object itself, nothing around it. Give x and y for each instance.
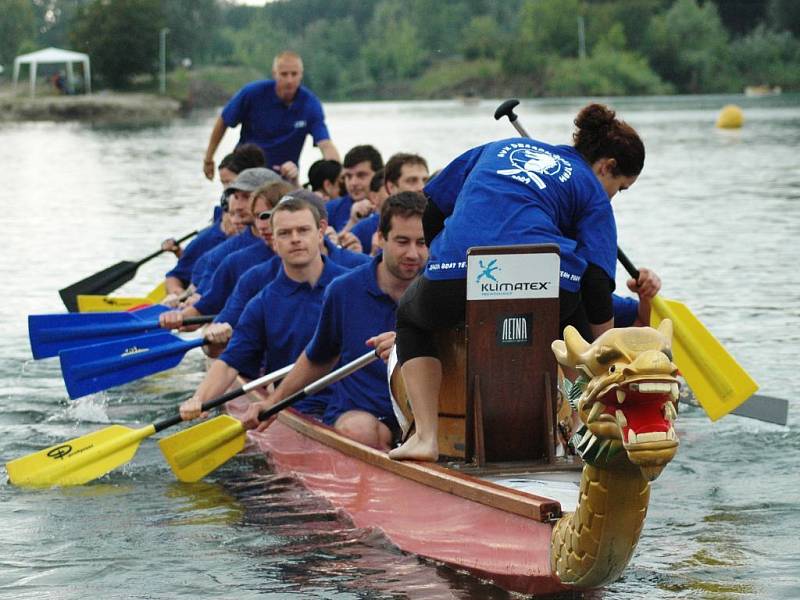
(416, 449)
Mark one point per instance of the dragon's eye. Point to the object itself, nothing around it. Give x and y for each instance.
(612, 368)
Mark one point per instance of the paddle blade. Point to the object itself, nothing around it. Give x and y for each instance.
(79, 460)
(195, 452)
(91, 369)
(50, 334)
(103, 282)
(103, 303)
(717, 380)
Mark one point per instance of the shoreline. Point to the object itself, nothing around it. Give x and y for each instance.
(105, 107)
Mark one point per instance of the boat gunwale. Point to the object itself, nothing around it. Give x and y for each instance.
(518, 502)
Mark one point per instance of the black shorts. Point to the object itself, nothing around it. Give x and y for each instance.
(431, 305)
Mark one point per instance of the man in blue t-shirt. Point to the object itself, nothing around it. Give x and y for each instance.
(359, 312)
(277, 114)
(403, 173)
(360, 165)
(279, 321)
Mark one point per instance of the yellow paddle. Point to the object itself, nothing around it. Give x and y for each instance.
(97, 303)
(719, 383)
(199, 450)
(90, 456)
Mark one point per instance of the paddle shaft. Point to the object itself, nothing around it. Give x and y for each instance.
(319, 384)
(116, 329)
(161, 251)
(220, 400)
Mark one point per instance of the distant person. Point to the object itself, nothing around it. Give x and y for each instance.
(323, 178)
(277, 114)
(360, 165)
(403, 173)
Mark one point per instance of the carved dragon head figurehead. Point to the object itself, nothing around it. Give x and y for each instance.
(628, 394)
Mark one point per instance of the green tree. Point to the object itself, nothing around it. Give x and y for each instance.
(784, 15)
(481, 38)
(394, 50)
(193, 27)
(17, 26)
(121, 37)
(768, 57)
(689, 47)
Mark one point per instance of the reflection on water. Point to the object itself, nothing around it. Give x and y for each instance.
(715, 213)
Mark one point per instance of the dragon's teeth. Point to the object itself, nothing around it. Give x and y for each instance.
(671, 435)
(621, 420)
(674, 391)
(597, 410)
(652, 436)
(631, 436)
(669, 411)
(654, 387)
(620, 396)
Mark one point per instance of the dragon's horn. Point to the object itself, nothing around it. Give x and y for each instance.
(665, 329)
(571, 351)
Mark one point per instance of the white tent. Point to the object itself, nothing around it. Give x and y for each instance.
(54, 55)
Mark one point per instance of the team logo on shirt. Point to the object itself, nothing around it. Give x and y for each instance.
(529, 162)
(299, 124)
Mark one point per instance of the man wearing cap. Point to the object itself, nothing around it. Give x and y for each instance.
(277, 114)
(279, 321)
(238, 198)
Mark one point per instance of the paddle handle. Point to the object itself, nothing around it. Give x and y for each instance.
(154, 254)
(220, 400)
(319, 384)
(199, 320)
(626, 262)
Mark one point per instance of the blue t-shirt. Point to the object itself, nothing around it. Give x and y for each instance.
(250, 283)
(207, 239)
(626, 310)
(344, 257)
(278, 129)
(227, 274)
(522, 191)
(365, 229)
(354, 310)
(339, 211)
(276, 326)
(212, 259)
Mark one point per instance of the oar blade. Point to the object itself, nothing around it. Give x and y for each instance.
(91, 369)
(717, 380)
(50, 334)
(197, 451)
(79, 460)
(105, 303)
(102, 282)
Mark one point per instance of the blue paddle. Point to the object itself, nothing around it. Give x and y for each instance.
(95, 368)
(50, 334)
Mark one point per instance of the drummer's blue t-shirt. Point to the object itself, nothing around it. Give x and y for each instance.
(278, 129)
(626, 310)
(207, 239)
(522, 191)
(276, 326)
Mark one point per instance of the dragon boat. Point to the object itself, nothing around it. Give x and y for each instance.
(507, 501)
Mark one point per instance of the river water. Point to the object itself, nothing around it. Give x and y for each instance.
(716, 213)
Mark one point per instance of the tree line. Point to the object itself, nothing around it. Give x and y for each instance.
(357, 49)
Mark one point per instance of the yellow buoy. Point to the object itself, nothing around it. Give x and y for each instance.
(730, 117)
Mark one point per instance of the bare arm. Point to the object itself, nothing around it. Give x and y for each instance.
(218, 379)
(216, 137)
(303, 373)
(329, 151)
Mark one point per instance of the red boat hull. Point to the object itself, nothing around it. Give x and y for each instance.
(511, 550)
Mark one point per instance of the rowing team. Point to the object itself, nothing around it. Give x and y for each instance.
(313, 277)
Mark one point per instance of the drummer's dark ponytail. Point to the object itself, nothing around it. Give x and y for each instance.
(600, 134)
